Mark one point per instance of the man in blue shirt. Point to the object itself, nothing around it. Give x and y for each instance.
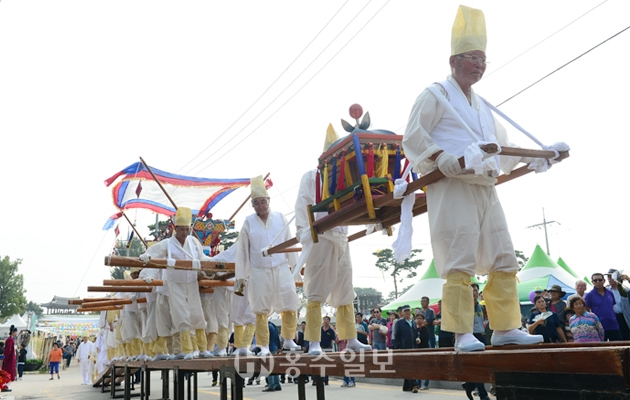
(601, 301)
(328, 337)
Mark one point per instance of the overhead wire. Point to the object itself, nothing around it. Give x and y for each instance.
(269, 87)
(223, 154)
(559, 68)
(545, 39)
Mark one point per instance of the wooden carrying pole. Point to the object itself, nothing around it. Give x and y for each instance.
(132, 262)
(111, 302)
(159, 183)
(108, 308)
(120, 289)
(159, 282)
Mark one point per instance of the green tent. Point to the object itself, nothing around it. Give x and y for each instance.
(544, 282)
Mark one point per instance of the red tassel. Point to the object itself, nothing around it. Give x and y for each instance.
(370, 167)
(318, 190)
(341, 181)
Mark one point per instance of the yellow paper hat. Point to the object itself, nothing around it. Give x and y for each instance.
(331, 137)
(257, 186)
(469, 31)
(127, 275)
(183, 217)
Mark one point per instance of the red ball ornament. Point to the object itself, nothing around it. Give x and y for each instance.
(356, 111)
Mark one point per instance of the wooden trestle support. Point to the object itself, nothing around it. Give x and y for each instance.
(545, 371)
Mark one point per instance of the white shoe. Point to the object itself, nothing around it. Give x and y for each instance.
(161, 357)
(264, 351)
(206, 354)
(290, 345)
(179, 356)
(195, 354)
(351, 384)
(189, 356)
(243, 352)
(467, 342)
(355, 345)
(344, 384)
(315, 349)
(221, 353)
(514, 336)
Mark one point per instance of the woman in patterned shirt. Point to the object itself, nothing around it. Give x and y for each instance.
(585, 325)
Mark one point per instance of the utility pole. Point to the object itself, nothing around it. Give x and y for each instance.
(544, 226)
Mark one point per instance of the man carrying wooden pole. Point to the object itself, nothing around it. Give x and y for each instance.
(468, 229)
(183, 290)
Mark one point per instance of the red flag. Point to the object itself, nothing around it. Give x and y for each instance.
(139, 189)
(117, 231)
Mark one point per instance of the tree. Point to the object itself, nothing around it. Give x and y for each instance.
(12, 299)
(134, 250)
(35, 308)
(520, 257)
(392, 295)
(386, 263)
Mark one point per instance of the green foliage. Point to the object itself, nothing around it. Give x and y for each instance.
(520, 257)
(12, 299)
(35, 308)
(392, 295)
(228, 239)
(117, 272)
(35, 361)
(361, 291)
(399, 271)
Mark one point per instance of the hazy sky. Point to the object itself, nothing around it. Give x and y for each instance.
(241, 88)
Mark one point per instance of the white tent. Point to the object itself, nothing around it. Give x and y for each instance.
(430, 285)
(16, 321)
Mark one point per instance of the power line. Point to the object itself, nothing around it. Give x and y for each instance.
(558, 69)
(548, 37)
(298, 91)
(268, 88)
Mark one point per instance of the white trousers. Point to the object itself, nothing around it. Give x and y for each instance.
(85, 370)
(131, 327)
(272, 289)
(149, 323)
(328, 271)
(468, 229)
(163, 316)
(185, 306)
(241, 310)
(216, 308)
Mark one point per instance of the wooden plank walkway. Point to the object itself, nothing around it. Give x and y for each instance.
(595, 370)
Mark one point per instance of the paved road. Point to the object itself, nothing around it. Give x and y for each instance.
(39, 387)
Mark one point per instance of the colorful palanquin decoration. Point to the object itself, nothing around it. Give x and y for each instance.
(358, 167)
(208, 231)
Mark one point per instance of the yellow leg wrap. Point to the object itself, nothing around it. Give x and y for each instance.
(211, 340)
(249, 335)
(457, 303)
(502, 305)
(186, 342)
(194, 342)
(160, 346)
(262, 330)
(111, 353)
(128, 350)
(136, 347)
(239, 332)
(289, 324)
(148, 349)
(222, 338)
(345, 322)
(200, 338)
(176, 344)
(313, 321)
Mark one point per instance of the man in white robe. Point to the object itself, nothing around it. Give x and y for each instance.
(469, 233)
(272, 286)
(183, 290)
